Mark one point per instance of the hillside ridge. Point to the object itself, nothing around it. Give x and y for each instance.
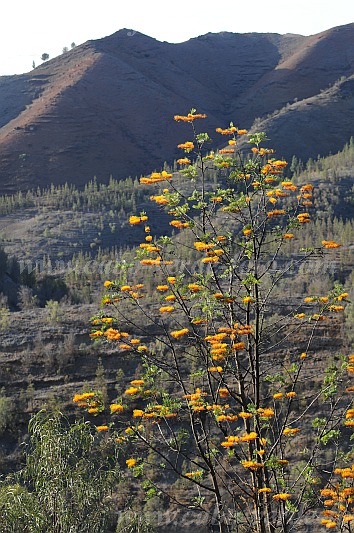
(106, 107)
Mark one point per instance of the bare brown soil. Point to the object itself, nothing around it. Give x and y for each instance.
(106, 107)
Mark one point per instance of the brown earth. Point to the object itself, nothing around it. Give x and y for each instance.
(105, 108)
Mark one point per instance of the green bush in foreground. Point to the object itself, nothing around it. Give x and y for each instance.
(66, 481)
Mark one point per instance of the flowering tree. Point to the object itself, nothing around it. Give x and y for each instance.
(221, 401)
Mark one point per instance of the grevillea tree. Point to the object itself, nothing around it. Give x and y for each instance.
(228, 398)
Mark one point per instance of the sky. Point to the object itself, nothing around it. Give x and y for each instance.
(30, 28)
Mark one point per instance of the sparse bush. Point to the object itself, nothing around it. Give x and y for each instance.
(7, 412)
(53, 311)
(26, 298)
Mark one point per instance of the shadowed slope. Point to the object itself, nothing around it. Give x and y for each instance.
(105, 108)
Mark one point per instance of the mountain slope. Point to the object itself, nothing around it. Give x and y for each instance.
(320, 125)
(106, 107)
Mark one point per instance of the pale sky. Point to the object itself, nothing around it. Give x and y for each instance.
(28, 28)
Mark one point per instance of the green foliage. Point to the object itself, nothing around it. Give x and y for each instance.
(65, 484)
(53, 310)
(4, 318)
(114, 196)
(7, 412)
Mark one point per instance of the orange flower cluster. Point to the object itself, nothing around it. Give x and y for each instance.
(116, 408)
(226, 418)
(270, 169)
(265, 412)
(349, 418)
(276, 212)
(160, 199)
(131, 391)
(291, 394)
(215, 369)
(188, 146)
(97, 333)
(278, 395)
(288, 185)
(318, 317)
(162, 288)
(283, 496)
(339, 496)
(328, 523)
(306, 188)
(179, 333)
(135, 387)
(303, 218)
(346, 473)
(155, 262)
(202, 246)
(277, 163)
(244, 330)
(342, 296)
(350, 367)
(245, 415)
(131, 290)
(230, 441)
(291, 431)
(188, 118)
(156, 177)
(150, 248)
(248, 437)
(85, 397)
(218, 349)
(137, 382)
(336, 308)
(262, 151)
(178, 224)
(331, 244)
(213, 259)
(167, 309)
(195, 400)
(227, 131)
(223, 392)
(194, 287)
(238, 346)
(134, 220)
(252, 465)
(90, 401)
(113, 334)
(226, 151)
(196, 474)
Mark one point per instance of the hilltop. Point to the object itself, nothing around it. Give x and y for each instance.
(105, 108)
